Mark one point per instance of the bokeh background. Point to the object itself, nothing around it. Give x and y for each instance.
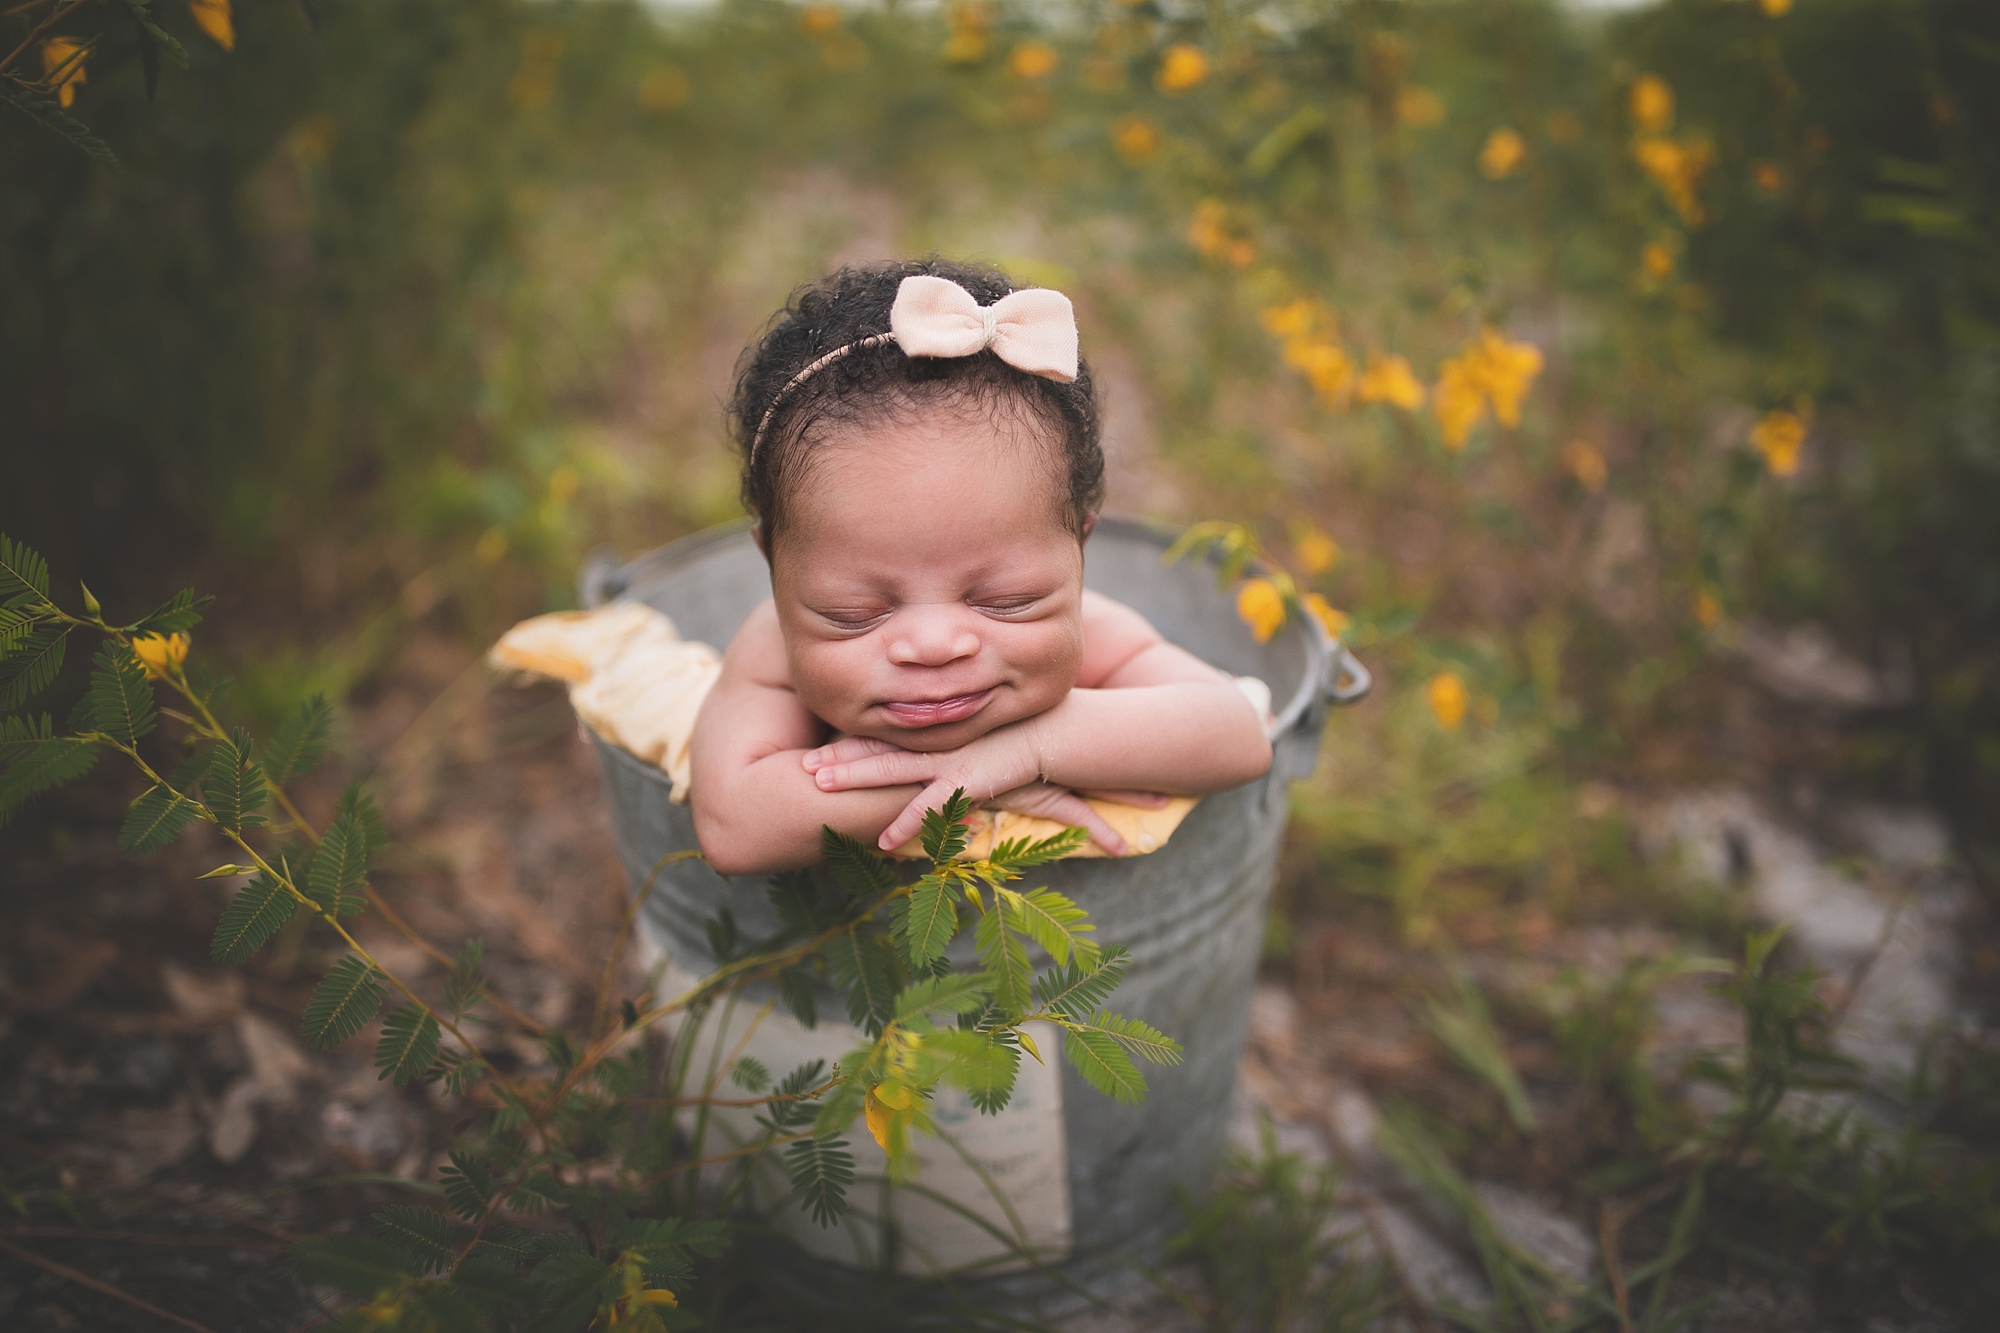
(1627, 382)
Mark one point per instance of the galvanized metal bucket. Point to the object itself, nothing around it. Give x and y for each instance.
(1098, 1180)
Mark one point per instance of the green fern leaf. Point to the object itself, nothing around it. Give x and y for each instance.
(233, 788)
(418, 1234)
(926, 922)
(358, 807)
(984, 1064)
(1105, 1065)
(800, 996)
(14, 626)
(468, 1186)
(31, 664)
(121, 699)
(340, 869)
(1020, 853)
(59, 122)
(1141, 1039)
(252, 917)
(408, 1045)
(465, 987)
(1052, 921)
(955, 993)
(155, 820)
(1078, 991)
(1006, 957)
(179, 614)
(862, 968)
(346, 998)
(355, 1265)
(21, 736)
(50, 762)
(855, 868)
(23, 572)
(820, 1171)
(300, 742)
(944, 829)
(750, 1075)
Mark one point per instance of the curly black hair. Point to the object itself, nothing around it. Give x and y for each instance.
(872, 384)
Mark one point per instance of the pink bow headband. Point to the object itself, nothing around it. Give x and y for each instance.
(1032, 330)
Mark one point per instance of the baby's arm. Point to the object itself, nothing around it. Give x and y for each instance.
(1145, 715)
(756, 809)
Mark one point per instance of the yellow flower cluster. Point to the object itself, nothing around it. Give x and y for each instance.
(57, 53)
(160, 654)
(1310, 336)
(1315, 552)
(1503, 152)
(214, 18)
(1675, 165)
(1032, 61)
(1419, 108)
(1182, 69)
(1585, 462)
(1262, 607)
(1136, 139)
(1389, 379)
(1779, 436)
(968, 23)
(1212, 234)
(1491, 371)
(1448, 699)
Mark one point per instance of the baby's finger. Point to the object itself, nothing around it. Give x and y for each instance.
(845, 751)
(1073, 810)
(892, 768)
(911, 822)
(1145, 800)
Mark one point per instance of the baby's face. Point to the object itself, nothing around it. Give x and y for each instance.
(926, 585)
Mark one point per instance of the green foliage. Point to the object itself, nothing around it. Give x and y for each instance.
(339, 868)
(859, 965)
(419, 1235)
(300, 742)
(408, 1045)
(121, 701)
(32, 660)
(345, 999)
(155, 820)
(943, 834)
(468, 1186)
(1005, 956)
(41, 764)
(820, 1172)
(1465, 1028)
(749, 1074)
(926, 922)
(252, 917)
(855, 868)
(24, 574)
(233, 787)
(177, 615)
(1102, 1061)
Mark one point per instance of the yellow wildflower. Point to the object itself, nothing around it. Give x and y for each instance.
(1585, 462)
(1776, 9)
(819, 20)
(1388, 379)
(1658, 261)
(1325, 364)
(1294, 319)
(1510, 370)
(1707, 610)
(57, 52)
(659, 1296)
(1182, 68)
(1457, 400)
(664, 89)
(1565, 127)
(1335, 622)
(967, 43)
(1652, 103)
(1262, 608)
(1241, 254)
(1209, 232)
(1769, 176)
(1316, 552)
(1503, 152)
(215, 19)
(1677, 167)
(1419, 108)
(1448, 699)
(1491, 372)
(1136, 139)
(1779, 436)
(1032, 60)
(160, 654)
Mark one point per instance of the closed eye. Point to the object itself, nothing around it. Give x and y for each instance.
(853, 618)
(1007, 606)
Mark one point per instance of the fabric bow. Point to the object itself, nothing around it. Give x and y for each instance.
(1032, 330)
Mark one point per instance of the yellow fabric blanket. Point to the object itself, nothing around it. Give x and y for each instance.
(639, 685)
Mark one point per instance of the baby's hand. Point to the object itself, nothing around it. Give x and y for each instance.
(1045, 801)
(997, 763)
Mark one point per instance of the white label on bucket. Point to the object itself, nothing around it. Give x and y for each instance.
(992, 1191)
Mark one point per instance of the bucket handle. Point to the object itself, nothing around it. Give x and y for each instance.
(1351, 681)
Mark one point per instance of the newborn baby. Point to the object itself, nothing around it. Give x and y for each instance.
(921, 452)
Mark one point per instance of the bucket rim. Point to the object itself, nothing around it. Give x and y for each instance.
(604, 578)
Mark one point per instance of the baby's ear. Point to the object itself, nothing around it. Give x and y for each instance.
(757, 536)
(1089, 526)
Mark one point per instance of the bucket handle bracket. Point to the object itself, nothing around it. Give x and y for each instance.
(1351, 681)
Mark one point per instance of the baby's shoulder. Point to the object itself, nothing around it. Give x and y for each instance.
(1113, 634)
(758, 650)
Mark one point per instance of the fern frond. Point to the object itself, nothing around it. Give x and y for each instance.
(408, 1045)
(1005, 955)
(1052, 921)
(1020, 853)
(861, 967)
(252, 917)
(31, 664)
(1141, 1039)
(820, 1170)
(20, 736)
(346, 998)
(121, 698)
(855, 868)
(800, 996)
(465, 987)
(1104, 1065)
(23, 572)
(177, 615)
(419, 1234)
(358, 807)
(750, 1075)
(926, 921)
(300, 742)
(984, 1064)
(1077, 991)
(955, 993)
(944, 828)
(233, 788)
(468, 1186)
(50, 762)
(340, 869)
(155, 820)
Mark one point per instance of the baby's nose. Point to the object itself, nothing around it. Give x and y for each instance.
(931, 636)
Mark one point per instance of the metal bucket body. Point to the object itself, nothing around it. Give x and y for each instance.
(1191, 914)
